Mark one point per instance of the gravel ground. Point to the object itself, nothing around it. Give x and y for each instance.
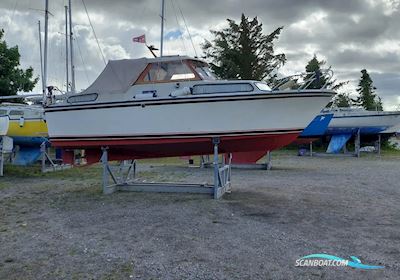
(60, 226)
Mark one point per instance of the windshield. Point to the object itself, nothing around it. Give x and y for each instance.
(203, 70)
(169, 71)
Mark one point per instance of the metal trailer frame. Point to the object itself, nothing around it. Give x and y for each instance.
(48, 165)
(267, 165)
(1, 158)
(123, 178)
(5, 156)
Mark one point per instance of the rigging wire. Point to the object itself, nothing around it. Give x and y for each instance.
(187, 28)
(80, 54)
(13, 14)
(98, 44)
(94, 33)
(177, 22)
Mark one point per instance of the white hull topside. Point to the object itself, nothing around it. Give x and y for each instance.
(365, 119)
(258, 113)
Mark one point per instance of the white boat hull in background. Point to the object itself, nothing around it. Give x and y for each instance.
(368, 122)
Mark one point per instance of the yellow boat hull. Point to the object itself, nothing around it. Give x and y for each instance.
(30, 128)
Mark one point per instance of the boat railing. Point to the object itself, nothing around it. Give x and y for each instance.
(54, 95)
(309, 80)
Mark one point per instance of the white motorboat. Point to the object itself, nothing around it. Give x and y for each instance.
(173, 106)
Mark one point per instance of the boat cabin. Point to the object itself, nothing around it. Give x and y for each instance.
(159, 78)
(120, 75)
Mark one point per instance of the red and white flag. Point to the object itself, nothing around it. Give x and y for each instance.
(140, 39)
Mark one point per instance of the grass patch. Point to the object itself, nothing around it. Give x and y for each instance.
(22, 171)
(390, 152)
(120, 271)
(167, 161)
(3, 185)
(34, 171)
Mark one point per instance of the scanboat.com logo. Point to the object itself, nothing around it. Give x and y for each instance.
(330, 260)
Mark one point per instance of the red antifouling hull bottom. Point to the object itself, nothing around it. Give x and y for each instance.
(253, 156)
(255, 146)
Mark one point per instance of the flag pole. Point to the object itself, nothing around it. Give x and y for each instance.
(152, 49)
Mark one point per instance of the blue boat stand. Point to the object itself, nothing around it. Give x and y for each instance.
(123, 178)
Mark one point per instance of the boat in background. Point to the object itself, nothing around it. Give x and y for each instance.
(350, 120)
(174, 106)
(347, 122)
(26, 126)
(392, 130)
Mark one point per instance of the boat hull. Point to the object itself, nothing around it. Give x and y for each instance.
(318, 126)
(30, 128)
(32, 133)
(367, 123)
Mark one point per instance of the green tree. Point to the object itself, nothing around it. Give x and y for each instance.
(242, 51)
(12, 78)
(378, 104)
(314, 68)
(366, 93)
(342, 100)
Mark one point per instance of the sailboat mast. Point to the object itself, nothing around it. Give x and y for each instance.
(162, 26)
(71, 48)
(66, 49)
(41, 57)
(46, 31)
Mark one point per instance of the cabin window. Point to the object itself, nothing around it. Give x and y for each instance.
(222, 88)
(263, 86)
(82, 98)
(3, 112)
(169, 71)
(37, 114)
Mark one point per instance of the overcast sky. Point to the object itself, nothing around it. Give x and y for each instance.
(349, 34)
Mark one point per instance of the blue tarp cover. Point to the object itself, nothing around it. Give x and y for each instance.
(337, 142)
(27, 155)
